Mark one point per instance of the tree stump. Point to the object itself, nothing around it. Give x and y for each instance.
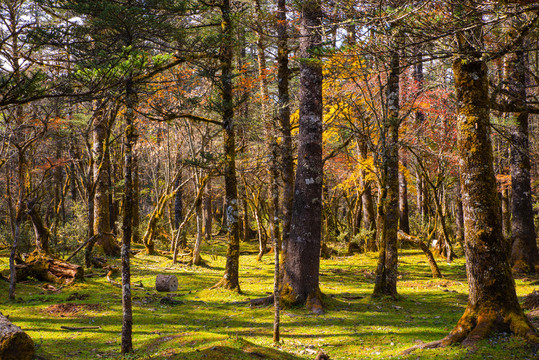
(166, 283)
(15, 344)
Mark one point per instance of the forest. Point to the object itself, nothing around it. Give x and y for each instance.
(260, 179)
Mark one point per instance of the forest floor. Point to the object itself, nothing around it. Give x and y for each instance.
(218, 324)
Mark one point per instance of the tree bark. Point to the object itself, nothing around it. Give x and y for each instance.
(506, 213)
(208, 212)
(136, 210)
(369, 215)
(102, 225)
(166, 283)
(230, 279)
(41, 232)
(459, 215)
(386, 271)
(283, 102)
(524, 252)
(302, 263)
(492, 303)
(15, 344)
(127, 221)
(404, 222)
(424, 247)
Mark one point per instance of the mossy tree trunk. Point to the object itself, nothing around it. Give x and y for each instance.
(388, 206)
(492, 303)
(302, 262)
(230, 279)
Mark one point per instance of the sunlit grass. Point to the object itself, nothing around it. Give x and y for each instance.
(218, 324)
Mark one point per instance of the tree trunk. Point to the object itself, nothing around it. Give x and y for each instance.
(90, 191)
(404, 222)
(230, 279)
(524, 254)
(136, 209)
(492, 303)
(41, 232)
(386, 271)
(283, 103)
(208, 211)
(369, 215)
(15, 344)
(424, 247)
(506, 214)
(127, 221)
(459, 216)
(302, 262)
(102, 225)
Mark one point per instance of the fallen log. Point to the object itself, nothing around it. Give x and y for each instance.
(77, 328)
(166, 283)
(15, 344)
(416, 242)
(45, 268)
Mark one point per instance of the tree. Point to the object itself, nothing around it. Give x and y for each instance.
(492, 302)
(302, 263)
(388, 205)
(230, 279)
(524, 253)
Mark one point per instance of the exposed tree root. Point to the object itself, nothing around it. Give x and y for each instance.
(522, 267)
(531, 301)
(265, 301)
(227, 284)
(314, 303)
(476, 325)
(322, 356)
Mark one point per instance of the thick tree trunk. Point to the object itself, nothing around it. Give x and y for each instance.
(283, 102)
(386, 271)
(230, 279)
(524, 254)
(492, 303)
(302, 263)
(15, 344)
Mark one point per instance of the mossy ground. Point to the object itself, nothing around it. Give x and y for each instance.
(217, 324)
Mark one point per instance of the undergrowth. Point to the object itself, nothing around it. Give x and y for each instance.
(218, 324)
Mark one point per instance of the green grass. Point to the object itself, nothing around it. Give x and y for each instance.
(215, 324)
